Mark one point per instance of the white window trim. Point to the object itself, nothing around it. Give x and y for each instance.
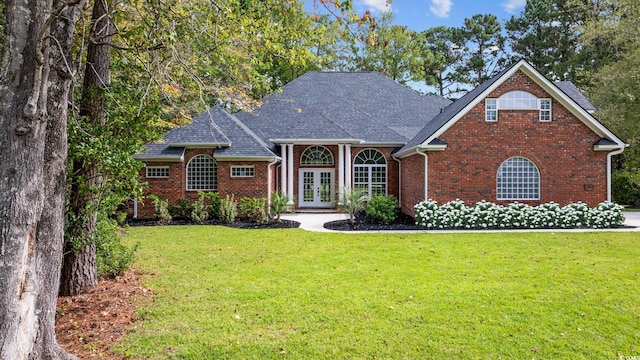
(545, 110)
(243, 170)
(324, 148)
(519, 198)
(369, 170)
(157, 168)
(503, 99)
(493, 110)
(190, 187)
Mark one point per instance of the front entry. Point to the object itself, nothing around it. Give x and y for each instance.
(316, 188)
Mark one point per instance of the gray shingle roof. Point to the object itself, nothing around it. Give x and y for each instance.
(213, 128)
(573, 92)
(365, 106)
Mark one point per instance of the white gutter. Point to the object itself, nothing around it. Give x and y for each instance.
(399, 180)
(316, 141)
(609, 156)
(275, 161)
(426, 173)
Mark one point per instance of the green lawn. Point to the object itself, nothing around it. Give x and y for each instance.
(224, 293)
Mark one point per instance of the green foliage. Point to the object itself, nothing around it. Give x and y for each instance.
(113, 258)
(353, 201)
(278, 204)
(181, 210)
(436, 60)
(199, 212)
(254, 209)
(213, 199)
(161, 209)
(483, 52)
(545, 35)
(228, 209)
(382, 209)
(625, 187)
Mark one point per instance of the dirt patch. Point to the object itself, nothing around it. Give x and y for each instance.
(88, 324)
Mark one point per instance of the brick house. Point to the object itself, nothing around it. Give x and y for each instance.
(516, 137)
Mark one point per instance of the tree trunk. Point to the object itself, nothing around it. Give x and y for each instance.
(34, 85)
(79, 273)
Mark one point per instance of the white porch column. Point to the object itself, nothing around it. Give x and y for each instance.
(340, 172)
(347, 160)
(290, 175)
(283, 169)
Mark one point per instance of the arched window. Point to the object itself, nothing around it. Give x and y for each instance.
(316, 155)
(518, 179)
(202, 173)
(517, 100)
(370, 172)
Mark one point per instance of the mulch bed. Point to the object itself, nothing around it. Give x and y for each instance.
(238, 224)
(363, 223)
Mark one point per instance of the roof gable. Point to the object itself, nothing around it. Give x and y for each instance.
(459, 108)
(214, 128)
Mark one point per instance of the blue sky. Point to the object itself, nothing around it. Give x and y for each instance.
(423, 14)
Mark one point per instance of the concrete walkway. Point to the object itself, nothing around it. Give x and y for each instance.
(315, 222)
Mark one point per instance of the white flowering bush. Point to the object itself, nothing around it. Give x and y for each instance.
(485, 215)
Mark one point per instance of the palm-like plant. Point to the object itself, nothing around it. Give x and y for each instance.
(354, 201)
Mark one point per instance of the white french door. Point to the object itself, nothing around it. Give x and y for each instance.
(316, 188)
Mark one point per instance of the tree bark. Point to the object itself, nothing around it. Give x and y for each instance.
(79, 273)
(34, 85)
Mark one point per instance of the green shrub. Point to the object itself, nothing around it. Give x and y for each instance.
(112, 257)
(228, 209)
(213, 199)
(382, 209)
(354, 201)
(199, 213)
(161, 209)
(625, 186)
(254, 209)
(182, 210)
(278, 204)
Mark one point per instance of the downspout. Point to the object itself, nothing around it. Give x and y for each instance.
(426, 172)
(135, 206)
(269, 173)
(609, 156)
(399, 180)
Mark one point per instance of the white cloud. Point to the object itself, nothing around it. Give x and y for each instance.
(511, 6)
(380, 5)
(441, 8)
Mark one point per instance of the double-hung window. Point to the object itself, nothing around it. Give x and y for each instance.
(545, 109)
(491, 109)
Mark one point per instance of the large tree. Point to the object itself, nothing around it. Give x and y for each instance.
(236, 50)
(34, 88)
(483, 52)
(611, 33)
(439, 53)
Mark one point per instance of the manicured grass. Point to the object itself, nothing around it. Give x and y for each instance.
(223, 293)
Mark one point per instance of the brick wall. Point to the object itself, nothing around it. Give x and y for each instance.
(412, 182)
(174, 187)
(570, 170)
